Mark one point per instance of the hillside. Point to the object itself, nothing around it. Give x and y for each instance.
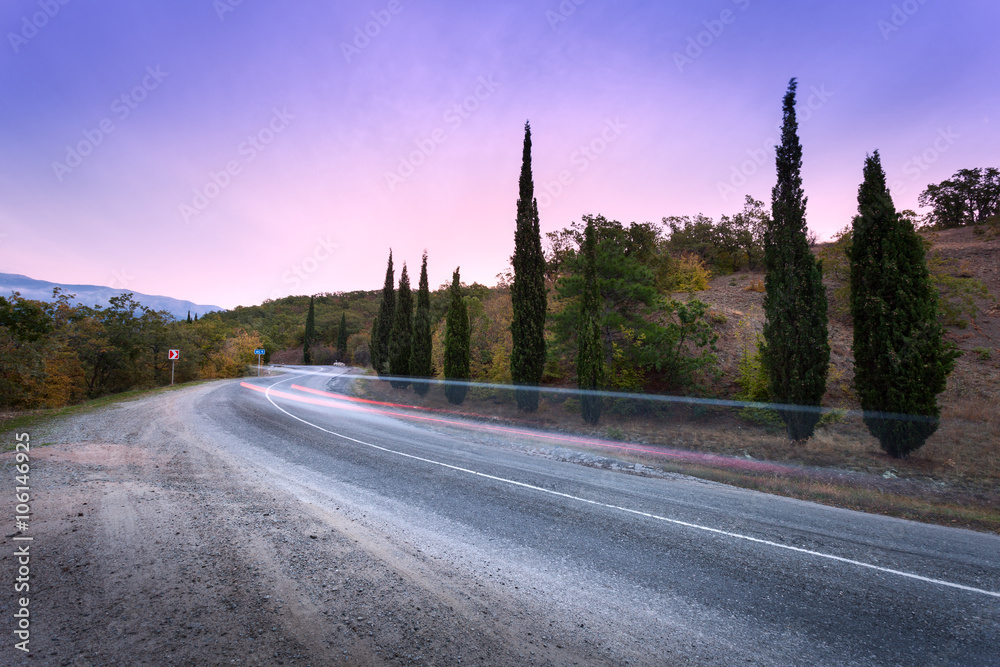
(738, 309)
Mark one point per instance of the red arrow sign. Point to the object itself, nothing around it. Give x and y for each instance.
(173, 354)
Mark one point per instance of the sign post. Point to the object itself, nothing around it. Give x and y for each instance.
(260, 355)
(173, 356)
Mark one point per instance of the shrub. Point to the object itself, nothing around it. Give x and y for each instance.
(687, 273)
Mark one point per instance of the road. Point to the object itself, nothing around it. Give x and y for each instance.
(672, 567)
(272, 521)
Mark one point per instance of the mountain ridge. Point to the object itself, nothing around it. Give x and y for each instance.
(90, 295)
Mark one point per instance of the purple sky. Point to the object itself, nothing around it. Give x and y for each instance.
(258, 149)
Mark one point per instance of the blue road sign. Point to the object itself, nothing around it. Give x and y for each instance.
(259, 351)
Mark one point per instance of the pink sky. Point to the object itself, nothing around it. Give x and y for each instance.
(291, 132)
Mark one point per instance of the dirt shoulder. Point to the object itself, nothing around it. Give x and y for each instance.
(152, 546)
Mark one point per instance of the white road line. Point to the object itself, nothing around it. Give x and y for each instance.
(686, 524)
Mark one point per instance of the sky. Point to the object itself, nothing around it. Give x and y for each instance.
(232, 151)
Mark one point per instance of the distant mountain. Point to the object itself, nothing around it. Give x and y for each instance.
(91, 295)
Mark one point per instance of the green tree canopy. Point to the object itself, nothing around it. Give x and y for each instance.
(590, 347)
(969, 197)
(342, 337)
(642, 334)
(901, 361)
(421, 361)
(457, 340)
(796, 350)
(528, 294)
(309, 337)
(382, 324)
(402, 332)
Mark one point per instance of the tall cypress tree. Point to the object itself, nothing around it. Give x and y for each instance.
(342, 337)
(310, 336)
(590, 351)
(421, 361)
(382, 326)
(901, 362)
(402, 332)
(796, 349)
(457, 341)
(527, 358)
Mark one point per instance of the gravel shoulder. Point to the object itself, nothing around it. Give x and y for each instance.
(152, 545)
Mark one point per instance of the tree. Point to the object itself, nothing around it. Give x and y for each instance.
(901, 362)
(402, 332)
(342, 337)
(624, 285)
(641, 332)
(382, 325)
(421, 364)
(189, 320)
(590, 347)
(796, 350)
(310, 335)
(969, 197)
(527, 359)
(745, 232)
(456, 345)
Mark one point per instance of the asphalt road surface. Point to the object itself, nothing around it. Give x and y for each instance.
(674, 568)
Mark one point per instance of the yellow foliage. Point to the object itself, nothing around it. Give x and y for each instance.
(233, 357)
(64, 381)
(623, 374)
(687, 273)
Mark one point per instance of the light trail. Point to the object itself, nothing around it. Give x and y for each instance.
(269, 391)
(663, 453)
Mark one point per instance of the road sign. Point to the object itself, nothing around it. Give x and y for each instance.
(259, 351)
(173, 355)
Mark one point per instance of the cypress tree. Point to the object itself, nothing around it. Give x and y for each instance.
(421, 362)
(796, 349)
(402, 332)
(342, 337)
(590, 351)
(189, 320)
(457, 340)
(901, 361)
(527, 359)
(310, 335)
(382, 326)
